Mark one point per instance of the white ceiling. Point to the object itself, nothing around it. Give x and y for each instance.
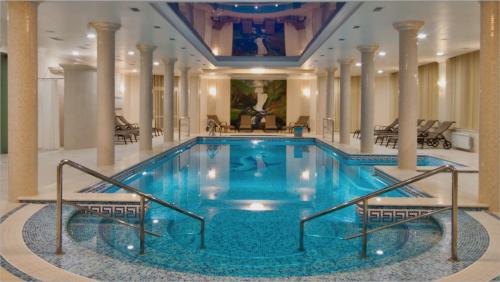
(452, 27)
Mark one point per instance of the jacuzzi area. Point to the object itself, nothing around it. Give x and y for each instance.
(252, 193)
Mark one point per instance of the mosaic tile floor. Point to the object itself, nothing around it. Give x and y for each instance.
(96, 263)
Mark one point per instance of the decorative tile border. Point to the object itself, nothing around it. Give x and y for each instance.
(14, 271)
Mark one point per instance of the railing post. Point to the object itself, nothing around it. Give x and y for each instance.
(179, 128)
(454, 214)
(365, 229)
(141, 229)
(202, 234)
(59, 206)
(301, 236)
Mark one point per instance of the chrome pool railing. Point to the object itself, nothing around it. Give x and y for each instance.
(188, 126)
(143, 198)
(364, 199)
(329, 123)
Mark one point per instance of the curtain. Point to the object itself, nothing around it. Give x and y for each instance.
(462, 86)
(428, 91)
(355, 103)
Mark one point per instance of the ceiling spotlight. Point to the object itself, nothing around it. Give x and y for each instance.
(257, 70)
(134, 70)
(358, 64)
(236, 5)
(156, 63)
(91, 35)
(276, 5)
(256, 7)
(440, 53)
(382, 53)
(131, 53)
(422, 36)
(75, 53)
(380, 71)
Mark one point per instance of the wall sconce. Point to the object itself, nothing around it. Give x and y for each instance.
(212, 91)
(215, 51)
(306, 92)
(441, 83)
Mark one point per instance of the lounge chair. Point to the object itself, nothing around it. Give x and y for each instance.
(121, 131)
(421, 131)
(122, 124)
(271, 123)
(221, 125)
(383, 134)
(434, 136)
(391, 128)
(302, 121)
(245, 123)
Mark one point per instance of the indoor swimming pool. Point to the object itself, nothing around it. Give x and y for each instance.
(252, 194)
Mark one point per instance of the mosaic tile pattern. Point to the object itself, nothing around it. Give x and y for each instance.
(95, 261)
(14, 271)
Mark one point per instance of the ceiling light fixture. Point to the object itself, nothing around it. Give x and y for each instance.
(422, 36)
(276, 5)
(131, 53)
(156, 63)
(134, 9)
(380, 71)
(75, 53)
(358, 64)
(382, 53)
(439, 53)
(134, 70)
(257, 70)
(256, 7)
(91, 35)
(236, 5)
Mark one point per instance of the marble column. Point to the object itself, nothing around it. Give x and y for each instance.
(489, 105)
(367, 96)
(105, 91)
(22, 99)
(183, 97)
(330, 78)
(146, 97)
(168, 99)
(345, 101)
(408, 93)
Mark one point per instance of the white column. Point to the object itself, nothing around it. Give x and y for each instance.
(443, 100)
(367, 96)
(168, 99)
(183, 97)
(489, 105)
(330, 77)
(22, 99)
(408, 93)
(105, 91)
(345, 100)
(146, 97)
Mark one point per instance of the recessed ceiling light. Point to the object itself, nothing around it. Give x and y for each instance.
(358, 64)
(236, 5)
(378, 9)
(355, 27)
(422, 35)
(156, 63)
(382, 53)
(131, 53)
(134, 9)
(439, 53)
(91, 35)
(56, 38)
(183, 47)
(330, 48)
(134, 70)
(157, 27)
(192, 55)
(341, 39)
(322, 55)
(380, 71)
(75, 53)
(256, 7)
(276, 5)
(83, 47)
(171, 39)
(257, 70)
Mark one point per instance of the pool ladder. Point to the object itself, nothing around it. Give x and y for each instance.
(364, 200)
(143, 198)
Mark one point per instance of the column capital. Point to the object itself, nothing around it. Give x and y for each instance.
(345, 61)
(367, 48)
(408, 25)
(145, 48)
(105, 26)
(77, 67)
(168, 61)
(331, 69)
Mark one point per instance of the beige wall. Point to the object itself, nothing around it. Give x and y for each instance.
(297, 103)
(131, 91)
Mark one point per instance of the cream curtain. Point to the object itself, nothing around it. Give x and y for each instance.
(355, 103)
(462, 86)
(428, 91)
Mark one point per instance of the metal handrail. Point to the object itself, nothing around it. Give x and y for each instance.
(188, 126)
(364, 200)
(143, 196)
(328, 122)
(212, 127)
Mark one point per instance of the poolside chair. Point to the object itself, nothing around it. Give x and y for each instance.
(391, 128)
(221, 125)
(302, 121)
(421, 130)
(122, 124)
(121, 131)
(434, 136)
(245, 123)
(271, 123)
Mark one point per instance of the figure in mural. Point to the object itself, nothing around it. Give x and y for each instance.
(261, 48)
(259, 117)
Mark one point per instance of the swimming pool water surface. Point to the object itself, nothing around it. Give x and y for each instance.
(252, 194)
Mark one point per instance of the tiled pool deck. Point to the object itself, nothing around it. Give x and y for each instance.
(479, 253)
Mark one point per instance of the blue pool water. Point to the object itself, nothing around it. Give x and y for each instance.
(253, 193)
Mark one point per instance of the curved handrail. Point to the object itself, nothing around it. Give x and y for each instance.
(110, 180)
(364, 199)
(188, 126)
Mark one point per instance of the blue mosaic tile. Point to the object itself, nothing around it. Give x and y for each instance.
(88, 253)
